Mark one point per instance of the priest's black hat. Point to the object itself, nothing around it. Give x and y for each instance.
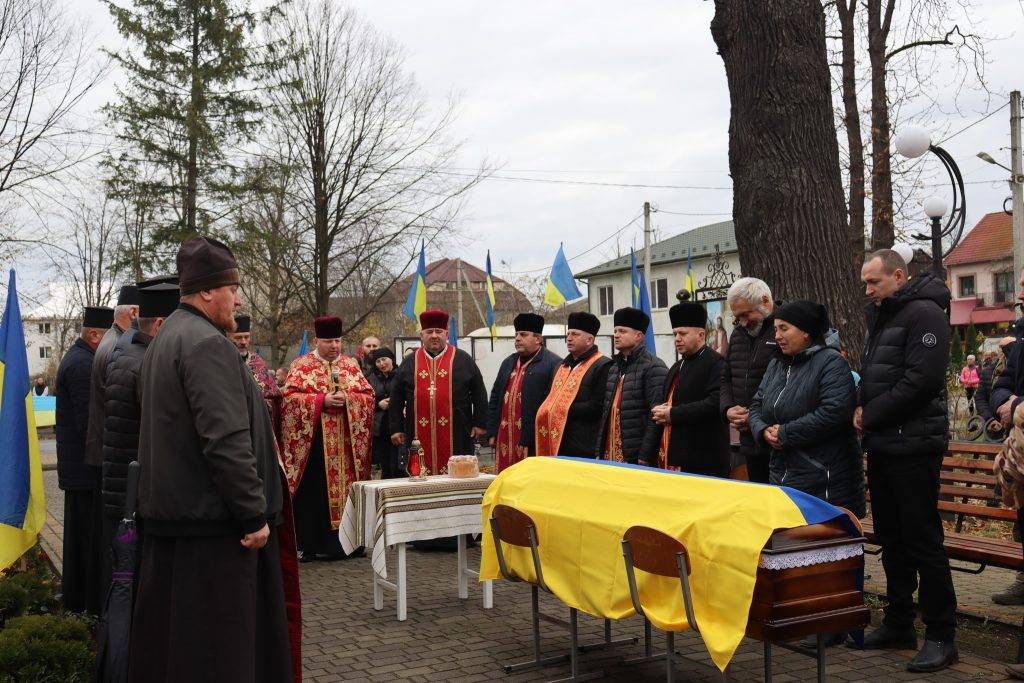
(243, 323)
(97, 316)
(205, 263)
(158, 301)
(632, 318)
(157, 280)
(587, 322)
(327, 327)
(688, 314)
(529, 322)
(128, 296)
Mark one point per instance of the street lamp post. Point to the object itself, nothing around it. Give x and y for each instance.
(912, 142)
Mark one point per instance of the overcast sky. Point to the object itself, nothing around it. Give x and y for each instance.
(608, 92)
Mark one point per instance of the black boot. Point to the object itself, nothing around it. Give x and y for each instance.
(887, 638)
(934, 656)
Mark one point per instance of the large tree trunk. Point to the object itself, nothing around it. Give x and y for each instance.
(791, 226)
(846, 9)
(883, 233)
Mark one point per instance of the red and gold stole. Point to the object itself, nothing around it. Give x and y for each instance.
(507, 449)
(432, 408)
(554, 411)
(666, 431)
(613, 441)
(345, 431)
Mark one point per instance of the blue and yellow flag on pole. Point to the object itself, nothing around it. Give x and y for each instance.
(645, 306)
(304, 345)
(453, 330)
(561, 284)
(491, 300)
(22, 501)
(417, 301)
(634, 279)
(690, 287)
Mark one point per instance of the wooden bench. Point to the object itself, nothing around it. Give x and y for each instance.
(967, 488)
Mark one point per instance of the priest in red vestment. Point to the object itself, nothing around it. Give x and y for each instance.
(438, 397)
(523, 382)
(242, 339)
(326, 423)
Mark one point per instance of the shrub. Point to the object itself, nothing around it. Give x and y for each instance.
(30, 592)
(45, 649)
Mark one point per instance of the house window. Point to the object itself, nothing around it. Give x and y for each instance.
(45, 352)
(659, 293)
(607, 302)
(966, 285)
(44, 328)
(1003, 286)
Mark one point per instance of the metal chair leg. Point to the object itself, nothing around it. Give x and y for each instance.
(574, 674)
(1020, 644)
(670, 655)
(767, 662)
(537, 660)
(821, 658)
(608, 641)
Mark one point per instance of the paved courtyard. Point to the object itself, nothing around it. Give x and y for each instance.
(452, 640)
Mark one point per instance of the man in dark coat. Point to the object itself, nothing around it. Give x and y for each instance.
(442, 381)
(636, 383)
(522, 384)
(751, 347)
(695, 437)
(125, 313)
(211, 603)
(569, 417)
(77, 479)
(902, 414)
(122, 410)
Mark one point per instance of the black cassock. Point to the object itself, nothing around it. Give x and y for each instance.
(313, 532)
(699, 439)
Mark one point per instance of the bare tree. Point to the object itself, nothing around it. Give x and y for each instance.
(375, 174)
(47, 67)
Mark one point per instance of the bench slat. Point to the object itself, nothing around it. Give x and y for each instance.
(975, 492)
(983, 511)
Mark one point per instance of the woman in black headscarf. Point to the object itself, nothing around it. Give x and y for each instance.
(380, 377)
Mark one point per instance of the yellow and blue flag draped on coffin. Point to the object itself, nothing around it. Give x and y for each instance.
(416, 302)
(561, 283)
(22, 501)
(582, 508)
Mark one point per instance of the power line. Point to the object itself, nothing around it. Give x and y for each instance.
(972, 125)
(585, 251)
(560, 181)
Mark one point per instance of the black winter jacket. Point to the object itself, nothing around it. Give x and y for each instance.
(536, 385)
(97, 399)
(381, 384)
(121, 418)
(745, 362)
(643, 388)
(812, 397)
(71, 387)
(903, 372)
(981, 397)
(1011, 381)
(208, 464)
(585, 412)
(699, 438)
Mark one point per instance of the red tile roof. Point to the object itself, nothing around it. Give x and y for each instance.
(990, 240)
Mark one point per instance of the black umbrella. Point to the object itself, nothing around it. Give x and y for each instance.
(115, 627)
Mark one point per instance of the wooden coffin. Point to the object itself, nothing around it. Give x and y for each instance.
(822, 597)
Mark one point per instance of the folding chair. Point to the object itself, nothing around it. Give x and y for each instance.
(654, 552)
(511, 526)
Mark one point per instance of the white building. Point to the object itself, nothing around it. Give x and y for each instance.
(714, 266)
(50, 329)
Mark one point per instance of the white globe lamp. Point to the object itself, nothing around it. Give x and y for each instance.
(913, 141)
(935, 207)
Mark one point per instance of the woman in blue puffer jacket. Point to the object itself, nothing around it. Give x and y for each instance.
(803, 410)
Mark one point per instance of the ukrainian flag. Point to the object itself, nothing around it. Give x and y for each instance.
(645, 306)
(634, 278)
(561, 284)
(491, 300)
(417, 301)
(22, 501)
(690, 287)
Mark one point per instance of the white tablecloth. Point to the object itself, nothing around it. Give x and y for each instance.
(384, 512)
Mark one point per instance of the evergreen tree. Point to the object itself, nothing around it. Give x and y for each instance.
(185, 102)
(970, 340)
(956, 350)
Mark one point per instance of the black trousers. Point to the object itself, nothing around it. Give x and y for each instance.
(904, 499)
(209, 609)
(80, 574)
(757, 467)
(385, 456)
(313, 532)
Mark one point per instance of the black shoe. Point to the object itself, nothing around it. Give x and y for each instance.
(831, 640)
(887, 638)
(934, 656)
(304, 558)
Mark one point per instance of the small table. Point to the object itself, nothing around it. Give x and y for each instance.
(383, 513)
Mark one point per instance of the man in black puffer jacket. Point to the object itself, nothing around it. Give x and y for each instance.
(122, 409)
(636, 383)
(751, 348)
(902, 415)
